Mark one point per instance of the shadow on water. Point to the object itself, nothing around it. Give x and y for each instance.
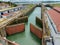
(17, 35)
(36, 38)
(39, 25)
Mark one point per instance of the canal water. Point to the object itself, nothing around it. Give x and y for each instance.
(27, 38)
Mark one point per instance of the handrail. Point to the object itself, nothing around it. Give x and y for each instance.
(9, 42)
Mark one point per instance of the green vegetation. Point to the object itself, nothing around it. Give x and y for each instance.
(31, 5)
(55, 5)
(10, 3)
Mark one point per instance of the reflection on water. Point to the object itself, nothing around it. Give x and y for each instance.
(27, 38)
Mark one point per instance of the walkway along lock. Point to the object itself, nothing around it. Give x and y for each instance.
(12, 29)
(35, 30)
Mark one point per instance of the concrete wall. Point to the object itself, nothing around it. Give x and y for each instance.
(35, 30)
(28, 11)
(12, 29)
(22, 19)
(39, 22)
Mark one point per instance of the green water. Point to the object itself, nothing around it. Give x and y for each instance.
(27, 38)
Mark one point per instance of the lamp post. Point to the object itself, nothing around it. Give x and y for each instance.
(10, 2)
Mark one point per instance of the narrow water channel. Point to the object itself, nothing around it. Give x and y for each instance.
(27, 38)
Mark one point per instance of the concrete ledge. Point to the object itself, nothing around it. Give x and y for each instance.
(12, 29)
(22, 19)
(35, 30)
(39, 22)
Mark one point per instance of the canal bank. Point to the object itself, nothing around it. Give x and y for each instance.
(8, 21)
(27, 38)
